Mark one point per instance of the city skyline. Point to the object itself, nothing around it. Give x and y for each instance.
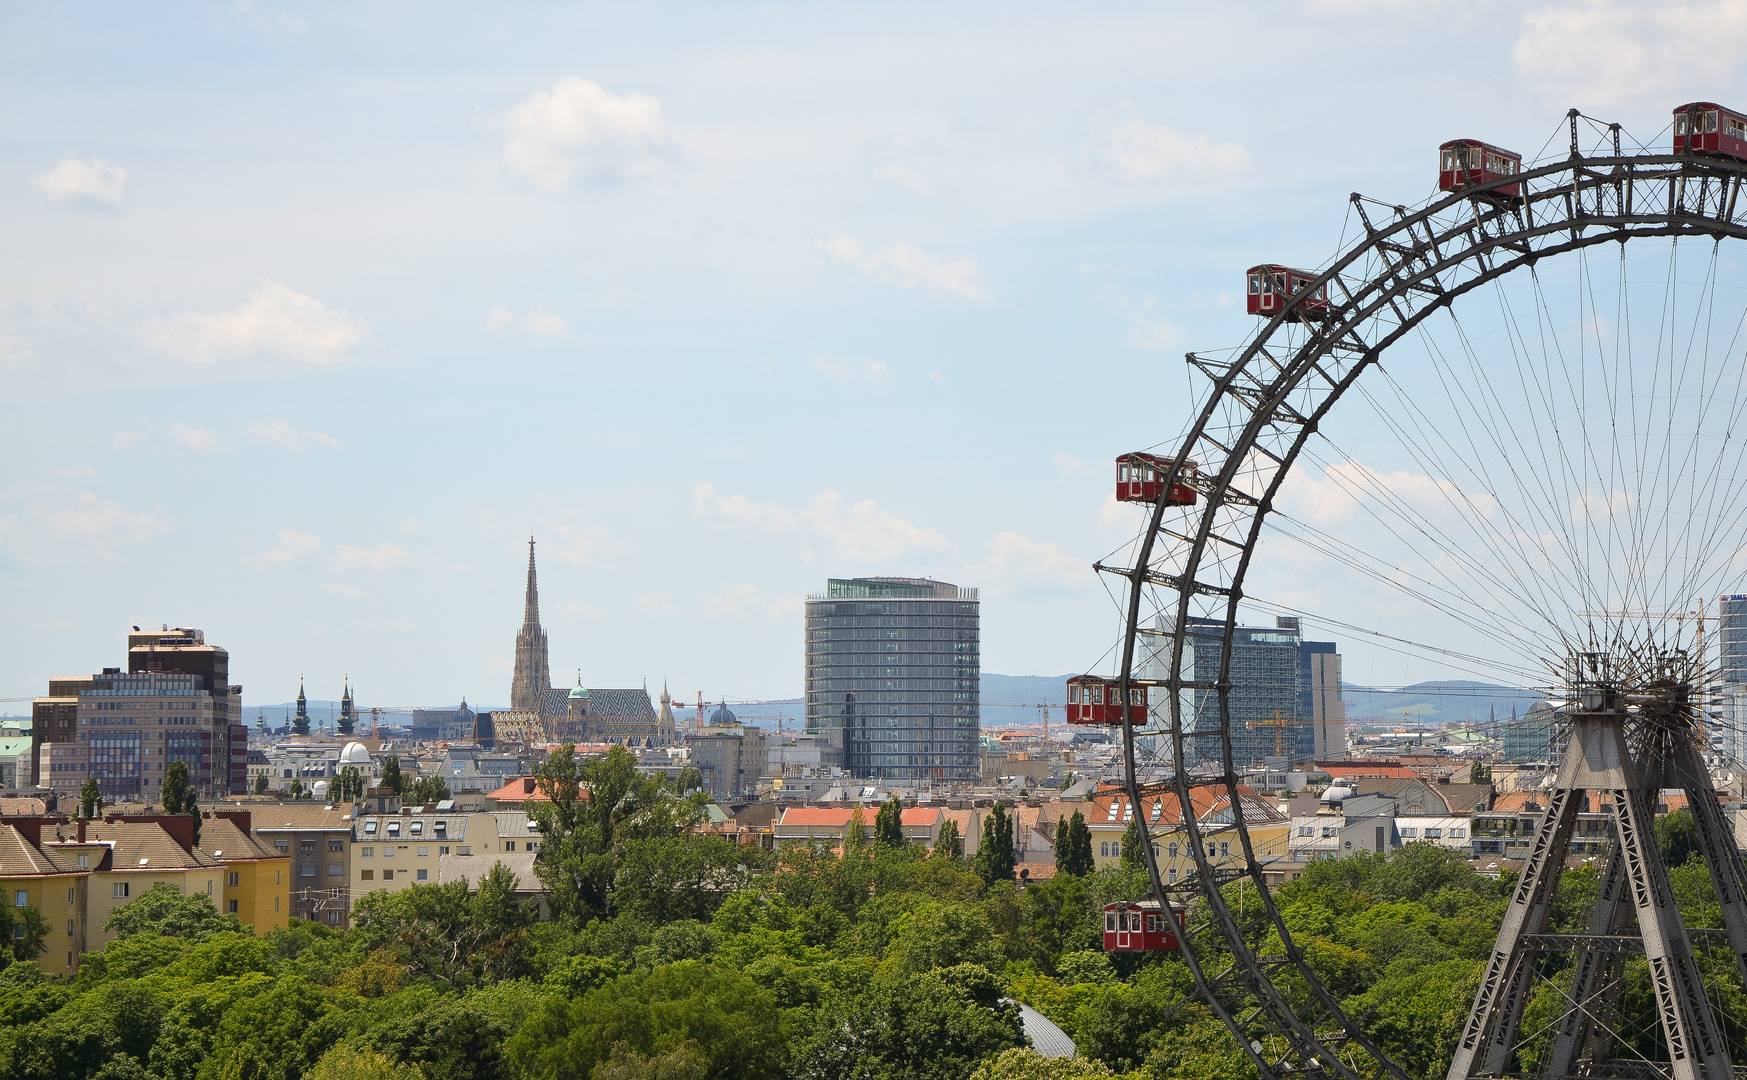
(278, 292)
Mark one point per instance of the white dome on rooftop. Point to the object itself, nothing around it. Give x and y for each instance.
(355, 753)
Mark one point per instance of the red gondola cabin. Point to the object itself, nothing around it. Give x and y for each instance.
(1139, 926)
(1466, 163)
(1270, 287)
(1092, 700)
(1141, 478)
(1704, 127)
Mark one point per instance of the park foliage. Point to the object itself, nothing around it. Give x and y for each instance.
(681, 956)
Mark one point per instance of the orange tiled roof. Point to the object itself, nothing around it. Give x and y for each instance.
(831, 817)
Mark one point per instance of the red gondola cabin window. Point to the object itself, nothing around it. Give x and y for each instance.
(1466, 163)
(1141, 478)
(1139, 926)
(1095, 700)
(1269, 288)
(1704, 127)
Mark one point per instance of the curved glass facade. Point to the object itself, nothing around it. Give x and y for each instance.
(893, 676)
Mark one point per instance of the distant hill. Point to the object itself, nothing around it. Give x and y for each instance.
(1447, 702)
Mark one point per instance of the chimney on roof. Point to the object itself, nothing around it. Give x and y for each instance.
(81, 833)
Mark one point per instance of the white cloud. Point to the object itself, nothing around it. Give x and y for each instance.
(863, 531)
(199, 440)
(1146, 330)
(853, 530)
(92, 182)
(282, 433)
(278, 22)
(57, 519)
(908, 179)
(1333, 495)
(343, 590)
(578, 543)
(502, 320)
(743, 601)
(1142, 151)
(935, 376)
(909, 267)
(1068, 465)
(377, 558)
(15, 356)
(579, 130)
(845, 370)
(273, 321)
(1590, 507)
(1603, 51)
(1016, 560)
(293, 545)
(125, 439)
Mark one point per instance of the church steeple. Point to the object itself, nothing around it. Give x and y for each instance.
(348, 720)
(532, 676)
(300, 723)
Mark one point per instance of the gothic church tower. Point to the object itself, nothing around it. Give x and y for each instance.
(533, 677)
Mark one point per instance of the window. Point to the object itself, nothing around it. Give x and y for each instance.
(444, 850)
(1410, 832)
(366, 875)
(275, 880)
(387, 852)
(423, 874)
(509, 845)
(1434, 834)
(1224, 848)
(418, 827)
(282, 844)
(307, 870)
(1152, 924)
(369, 828)
(336, 869)
(1104, 849)
(120, 890)
(388, 875)
(1110, 921)
(1458, 833)
(368, 853)
(333, 918)
(84, 862)
(423, 852)
(69, 896)
(336, 845)
(231, 906)
(1172, 878)
(69, 928)
(275, 903)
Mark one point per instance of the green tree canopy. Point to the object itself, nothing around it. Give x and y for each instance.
(995, 859)
(947, 843)
(90, 799)
(889, 824)
(391, 774)
(179, 796)
(167, 913)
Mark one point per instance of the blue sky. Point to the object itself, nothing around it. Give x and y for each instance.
(310, 314)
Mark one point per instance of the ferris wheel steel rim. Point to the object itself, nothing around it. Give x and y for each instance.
(1470, 239)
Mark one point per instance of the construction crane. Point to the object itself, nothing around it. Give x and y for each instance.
(1042, 707)
(1279, 725)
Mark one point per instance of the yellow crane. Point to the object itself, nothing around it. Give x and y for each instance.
(1278, 724)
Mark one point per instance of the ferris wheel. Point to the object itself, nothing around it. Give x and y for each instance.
(1499, 436)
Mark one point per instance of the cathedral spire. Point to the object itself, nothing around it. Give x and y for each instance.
(300, 723)
(533, 677)
(531, 602)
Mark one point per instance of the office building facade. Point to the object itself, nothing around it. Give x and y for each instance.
(893, 670)
(1267, 687)
(183, 650)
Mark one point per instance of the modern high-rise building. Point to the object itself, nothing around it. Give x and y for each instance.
(1528, 737)
(1322, 727)
(1728, 730)
(1267, 690)
(183, 650)
(893, 670)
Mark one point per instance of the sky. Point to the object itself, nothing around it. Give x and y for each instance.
(310, 314)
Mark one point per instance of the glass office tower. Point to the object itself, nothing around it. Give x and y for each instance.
(893, 673)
